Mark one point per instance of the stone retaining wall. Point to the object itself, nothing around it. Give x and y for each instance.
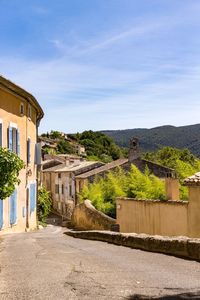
(86, 217)
(177, 246)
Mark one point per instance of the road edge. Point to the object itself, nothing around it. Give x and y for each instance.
(179, 246)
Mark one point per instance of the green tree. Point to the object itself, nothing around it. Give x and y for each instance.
(10, 165)
(104, 191)
(183, 161)
(64, 147)
(44, 204)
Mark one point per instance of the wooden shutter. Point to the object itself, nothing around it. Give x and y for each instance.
(10, 138)
(32, 197)
(13, 208)
(38, 154)
(18, 142)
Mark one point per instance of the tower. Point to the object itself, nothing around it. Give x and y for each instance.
(134, 151)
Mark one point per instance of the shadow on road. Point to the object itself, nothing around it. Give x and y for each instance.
(195, 295)
(54, 219)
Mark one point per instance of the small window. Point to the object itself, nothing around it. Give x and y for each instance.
(56, 188)
(62, 188)
(59, 175)
(22, 109)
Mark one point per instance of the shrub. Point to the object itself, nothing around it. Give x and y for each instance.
(104, 191)
(44, 204)
(10, 165)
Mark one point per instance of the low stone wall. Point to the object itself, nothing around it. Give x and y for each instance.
(86, 217)
(177, 246)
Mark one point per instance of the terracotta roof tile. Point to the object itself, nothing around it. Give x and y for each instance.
(193, 180)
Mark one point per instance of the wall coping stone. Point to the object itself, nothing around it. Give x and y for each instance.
(180, 246)
(184, 202)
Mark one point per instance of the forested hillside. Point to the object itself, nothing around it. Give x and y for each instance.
(98, 146)
(158, 137)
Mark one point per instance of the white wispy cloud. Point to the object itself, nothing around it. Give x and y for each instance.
(77, 96)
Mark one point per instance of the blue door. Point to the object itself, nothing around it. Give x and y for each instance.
(13, 208)
(32, 197)
(1, 213)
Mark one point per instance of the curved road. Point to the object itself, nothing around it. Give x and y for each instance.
(49, 265)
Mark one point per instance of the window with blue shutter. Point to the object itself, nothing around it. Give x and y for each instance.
(38, 156)
(13, 208)
(10, 138)
(32, 197)
(18, 142)
(1, 213)
(13, 140)
(28, 151)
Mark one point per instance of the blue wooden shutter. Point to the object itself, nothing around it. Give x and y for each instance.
(38, 158)
(0, 135)
(32, 197)
(1, 213)
(10, 138)
(18, 142)
(28, 151)
(13, 208)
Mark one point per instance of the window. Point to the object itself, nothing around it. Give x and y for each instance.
(28, 151)
(22, 109)
(70, 190)
(62, 188)
(59, 175)
(14, 140)
(57, 188)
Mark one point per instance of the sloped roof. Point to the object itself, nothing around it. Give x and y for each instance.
(107, 167)
(12, 87)
(71, 168)
(193, 180)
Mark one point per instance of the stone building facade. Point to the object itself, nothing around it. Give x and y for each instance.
(20, 115)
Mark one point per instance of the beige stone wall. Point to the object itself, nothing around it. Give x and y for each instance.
(86, 217)
(194, 212)
(10, 116)
(153, 216)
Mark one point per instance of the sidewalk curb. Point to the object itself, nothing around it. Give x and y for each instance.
(179, 246)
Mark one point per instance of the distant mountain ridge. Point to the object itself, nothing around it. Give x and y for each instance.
(158, 137)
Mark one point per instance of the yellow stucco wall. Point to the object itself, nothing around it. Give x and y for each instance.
(194, 212)
(152, 217)
(10, 116)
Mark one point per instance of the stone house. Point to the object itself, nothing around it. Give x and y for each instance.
(20, 116)
(133, 158)
(60, 182)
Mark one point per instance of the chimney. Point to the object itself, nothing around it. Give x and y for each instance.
(134, 151)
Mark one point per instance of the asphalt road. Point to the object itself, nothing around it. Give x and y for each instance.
(49, 265)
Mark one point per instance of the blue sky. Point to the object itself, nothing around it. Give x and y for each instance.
(105, 64)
